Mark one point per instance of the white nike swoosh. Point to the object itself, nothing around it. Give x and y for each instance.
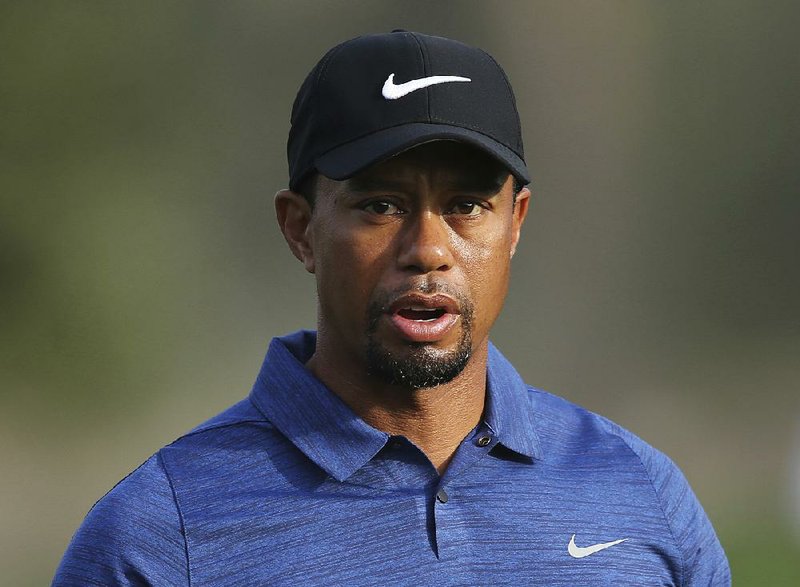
(392, 91)
(580, 552)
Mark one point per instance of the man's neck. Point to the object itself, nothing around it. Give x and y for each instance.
(436, 419)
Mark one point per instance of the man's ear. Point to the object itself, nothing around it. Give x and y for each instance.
(520, 212)
(294, 218)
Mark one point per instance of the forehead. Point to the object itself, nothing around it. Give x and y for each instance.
(446, 163)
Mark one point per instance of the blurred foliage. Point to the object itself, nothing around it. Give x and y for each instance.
(141, 272)
(762, 552)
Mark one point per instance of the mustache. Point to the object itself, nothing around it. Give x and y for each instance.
(383, 299)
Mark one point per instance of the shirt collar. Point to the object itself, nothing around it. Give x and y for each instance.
(509, 413)
(329, 433)
(315, 420)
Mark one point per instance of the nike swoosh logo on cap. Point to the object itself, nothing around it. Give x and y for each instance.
(576, 551)
(392, 91)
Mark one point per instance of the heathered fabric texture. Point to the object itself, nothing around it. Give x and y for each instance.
(290, 487)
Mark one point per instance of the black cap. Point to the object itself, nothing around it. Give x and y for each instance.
(377, 95)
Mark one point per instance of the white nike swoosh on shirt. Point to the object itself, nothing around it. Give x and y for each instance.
(581, 552)
(392, 91)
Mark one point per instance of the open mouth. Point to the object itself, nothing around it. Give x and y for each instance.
(421, 314)
(423, 319)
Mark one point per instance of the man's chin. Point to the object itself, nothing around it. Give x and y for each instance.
(417, 365)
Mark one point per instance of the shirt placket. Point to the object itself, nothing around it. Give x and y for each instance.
(453, 539)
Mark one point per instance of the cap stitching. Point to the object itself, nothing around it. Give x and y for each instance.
(510, 93)
(425, 72)
(323, 70)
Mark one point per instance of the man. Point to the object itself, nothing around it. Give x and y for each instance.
(396, 445)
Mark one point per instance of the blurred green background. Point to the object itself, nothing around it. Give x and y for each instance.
(142, 272)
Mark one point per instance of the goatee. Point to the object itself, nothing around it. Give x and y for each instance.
(419, 365)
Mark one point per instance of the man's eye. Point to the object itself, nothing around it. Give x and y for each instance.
(467, 208)
(382, 208)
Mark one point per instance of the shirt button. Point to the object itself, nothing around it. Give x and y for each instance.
(442, 496)
(484, 440)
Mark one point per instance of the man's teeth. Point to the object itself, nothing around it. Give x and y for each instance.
(422, 313)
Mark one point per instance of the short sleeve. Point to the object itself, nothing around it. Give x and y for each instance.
(132, 536)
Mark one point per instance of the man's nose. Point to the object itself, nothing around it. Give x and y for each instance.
(426, 244)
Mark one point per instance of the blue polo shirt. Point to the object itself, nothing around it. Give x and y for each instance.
(290, 487)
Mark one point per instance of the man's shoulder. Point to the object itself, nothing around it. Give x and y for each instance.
(240, 415)
(581, 440)
(226, 445)
(139, 523)
(231, 432)
(133, 530)
(239, 425)
(564, 426)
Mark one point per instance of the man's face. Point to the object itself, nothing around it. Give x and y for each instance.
(412, 260)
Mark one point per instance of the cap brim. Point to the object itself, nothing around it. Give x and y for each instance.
(347, 160)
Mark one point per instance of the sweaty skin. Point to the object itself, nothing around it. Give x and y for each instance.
(437, 219)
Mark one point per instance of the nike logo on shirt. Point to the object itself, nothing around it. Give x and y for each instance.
(392, 91)
(576, 551)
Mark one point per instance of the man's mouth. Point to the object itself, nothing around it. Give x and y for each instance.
(421, 313)
(421, 318)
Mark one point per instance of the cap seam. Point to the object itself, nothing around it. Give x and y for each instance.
(425, 72)
(510, 93)
(323, 70)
